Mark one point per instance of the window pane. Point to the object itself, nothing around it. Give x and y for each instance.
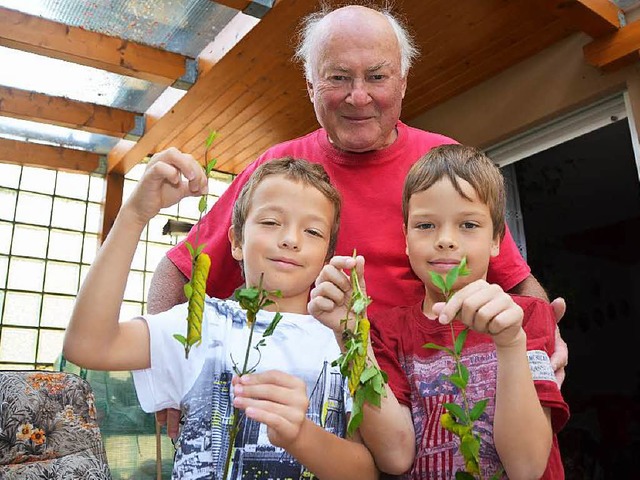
(9, 175)
(134, 290)
(22, 309)
(68, 214)
(50, 345)
(33, 208)
(94, 218)
(127, 188)
(62, 278)
(7, 203)
(18, 345)
(138, 257)
(74, 185)
(56, 311)
(5, 237)
(65, 245)
(4, 267)
(155, 229)
(90, 248)
(30, 241)
(189, 208)
(1, 303)
(84, 270)
(38, 180)
(96, 189)
(130, 310)
(25, 274)
(155, 253)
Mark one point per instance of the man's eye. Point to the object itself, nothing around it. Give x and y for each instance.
(377, 77)
(338, 78)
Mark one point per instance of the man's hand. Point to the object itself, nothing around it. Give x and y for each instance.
(171, 418)
(276, 399)
(560, 357)
(330, 297)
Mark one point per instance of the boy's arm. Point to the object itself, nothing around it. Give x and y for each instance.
(279, 401)
(488, 309)
(387, 431)
(94, 338)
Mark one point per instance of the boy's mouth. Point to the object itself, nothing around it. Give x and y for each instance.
(285, 262)
(443, 265)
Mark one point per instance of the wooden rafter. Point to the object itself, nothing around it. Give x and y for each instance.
(615, 50)
(237, 4)
(48, 156)
(594, 17)
(38, 107)
(45, 37)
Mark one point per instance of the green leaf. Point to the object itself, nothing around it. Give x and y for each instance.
(438, 281)
(212, 136)
(180, 338)
(463, 270)
(210, 165)
(275, 293)
(368, 373)
(200, 248)
(457, 411)
(354, 421)
(272, 326)
(248, 293)
(470, 447)
(478, 409)
(452, 276)
(372, 397)
(460, 341)
(261, 343)
(359, 305)
(498, 474)
(190, 248)
(458, 381)
(438, 347)
(202, 204)
(464, 373)
(188, 290)
(464, 476)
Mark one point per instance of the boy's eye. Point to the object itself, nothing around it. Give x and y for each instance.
(314, 232)
(469, 225)
(268, 222)
(425, 226)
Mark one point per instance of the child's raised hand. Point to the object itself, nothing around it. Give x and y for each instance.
(277, 399)
(330, 296)
(169, 177)
(485, 308)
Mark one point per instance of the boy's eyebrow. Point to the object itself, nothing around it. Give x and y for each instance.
(277, 209)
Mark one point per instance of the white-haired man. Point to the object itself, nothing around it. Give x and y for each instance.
(356, 62)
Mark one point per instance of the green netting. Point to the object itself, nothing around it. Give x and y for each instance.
(127, 432)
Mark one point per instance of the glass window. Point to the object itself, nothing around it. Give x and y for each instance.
(18, 345)
(65, 245)
(4, 267)
(30, 241)
(68, 214)
(62, 278)
(97, 187)
(9, 175)
(56, 311)
(38, 180)
(130, 310)
(134, 289)
(5, 237)
(155, 253)
(7, 203)
(90, 248)
(50, 345)
(33, 208)
(25, 274)
(22, 309)
(72, 185)
(94, 218)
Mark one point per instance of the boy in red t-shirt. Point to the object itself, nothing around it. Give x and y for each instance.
(453, 207)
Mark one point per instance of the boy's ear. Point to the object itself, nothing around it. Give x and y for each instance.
(236, 247)
(406, 244)
(495, 247)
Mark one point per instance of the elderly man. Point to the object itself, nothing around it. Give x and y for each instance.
(356, 63)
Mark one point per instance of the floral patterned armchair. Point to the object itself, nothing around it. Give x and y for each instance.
(48, 428)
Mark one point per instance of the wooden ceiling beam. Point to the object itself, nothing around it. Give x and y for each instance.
(37, 107)
(48, 156)
(593, 17)
(265, 42)
(73, 44)
(615, 50)
(237, 4)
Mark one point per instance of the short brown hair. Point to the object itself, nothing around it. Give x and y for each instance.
(454, 162)
(297, 170)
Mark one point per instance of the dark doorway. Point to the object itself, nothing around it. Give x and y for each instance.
(581, 209)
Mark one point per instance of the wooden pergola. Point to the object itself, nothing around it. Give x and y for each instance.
(254, 96)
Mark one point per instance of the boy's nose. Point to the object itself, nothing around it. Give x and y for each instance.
(445, 243)
(290, 240)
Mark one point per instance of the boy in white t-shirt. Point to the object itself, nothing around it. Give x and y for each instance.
(284, 227)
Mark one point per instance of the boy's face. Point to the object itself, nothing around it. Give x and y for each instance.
(442, 227)
(286, 237)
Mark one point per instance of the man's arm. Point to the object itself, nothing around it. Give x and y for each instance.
(531, 288)
(167, 287)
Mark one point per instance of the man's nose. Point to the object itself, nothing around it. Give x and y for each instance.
(359, 94)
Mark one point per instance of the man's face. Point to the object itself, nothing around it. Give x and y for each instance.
(356, 86)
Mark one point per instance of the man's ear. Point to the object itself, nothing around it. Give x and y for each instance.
(404, 86)
(236, 247)
(310, 90)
